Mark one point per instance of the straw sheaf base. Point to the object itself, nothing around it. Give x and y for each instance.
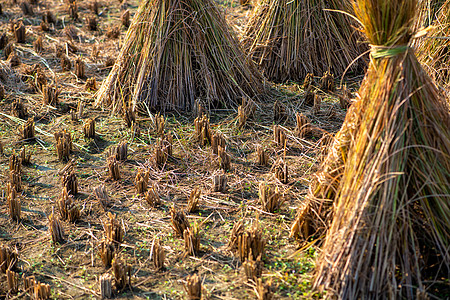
(315, 215)
(390, 232)
(176, 52)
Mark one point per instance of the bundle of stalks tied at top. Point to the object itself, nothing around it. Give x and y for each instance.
(384, 188)
(289, 39)
(178, 51)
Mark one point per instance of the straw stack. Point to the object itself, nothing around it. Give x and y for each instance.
(427, 12)
(289, 39)
(390, 232)
(176, 52)
(433, 51)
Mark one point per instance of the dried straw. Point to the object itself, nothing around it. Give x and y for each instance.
(390, 233)
(175, 52)
(289, 39)
(433, 51)
(427, 12)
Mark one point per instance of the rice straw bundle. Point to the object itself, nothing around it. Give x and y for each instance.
(175, 52)
(427, 12)
(390, 232)
(433, 51)
(289, 39)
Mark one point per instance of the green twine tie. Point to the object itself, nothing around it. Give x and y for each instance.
(387, 52)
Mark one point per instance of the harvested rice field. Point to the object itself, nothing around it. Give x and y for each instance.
(167, 149)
